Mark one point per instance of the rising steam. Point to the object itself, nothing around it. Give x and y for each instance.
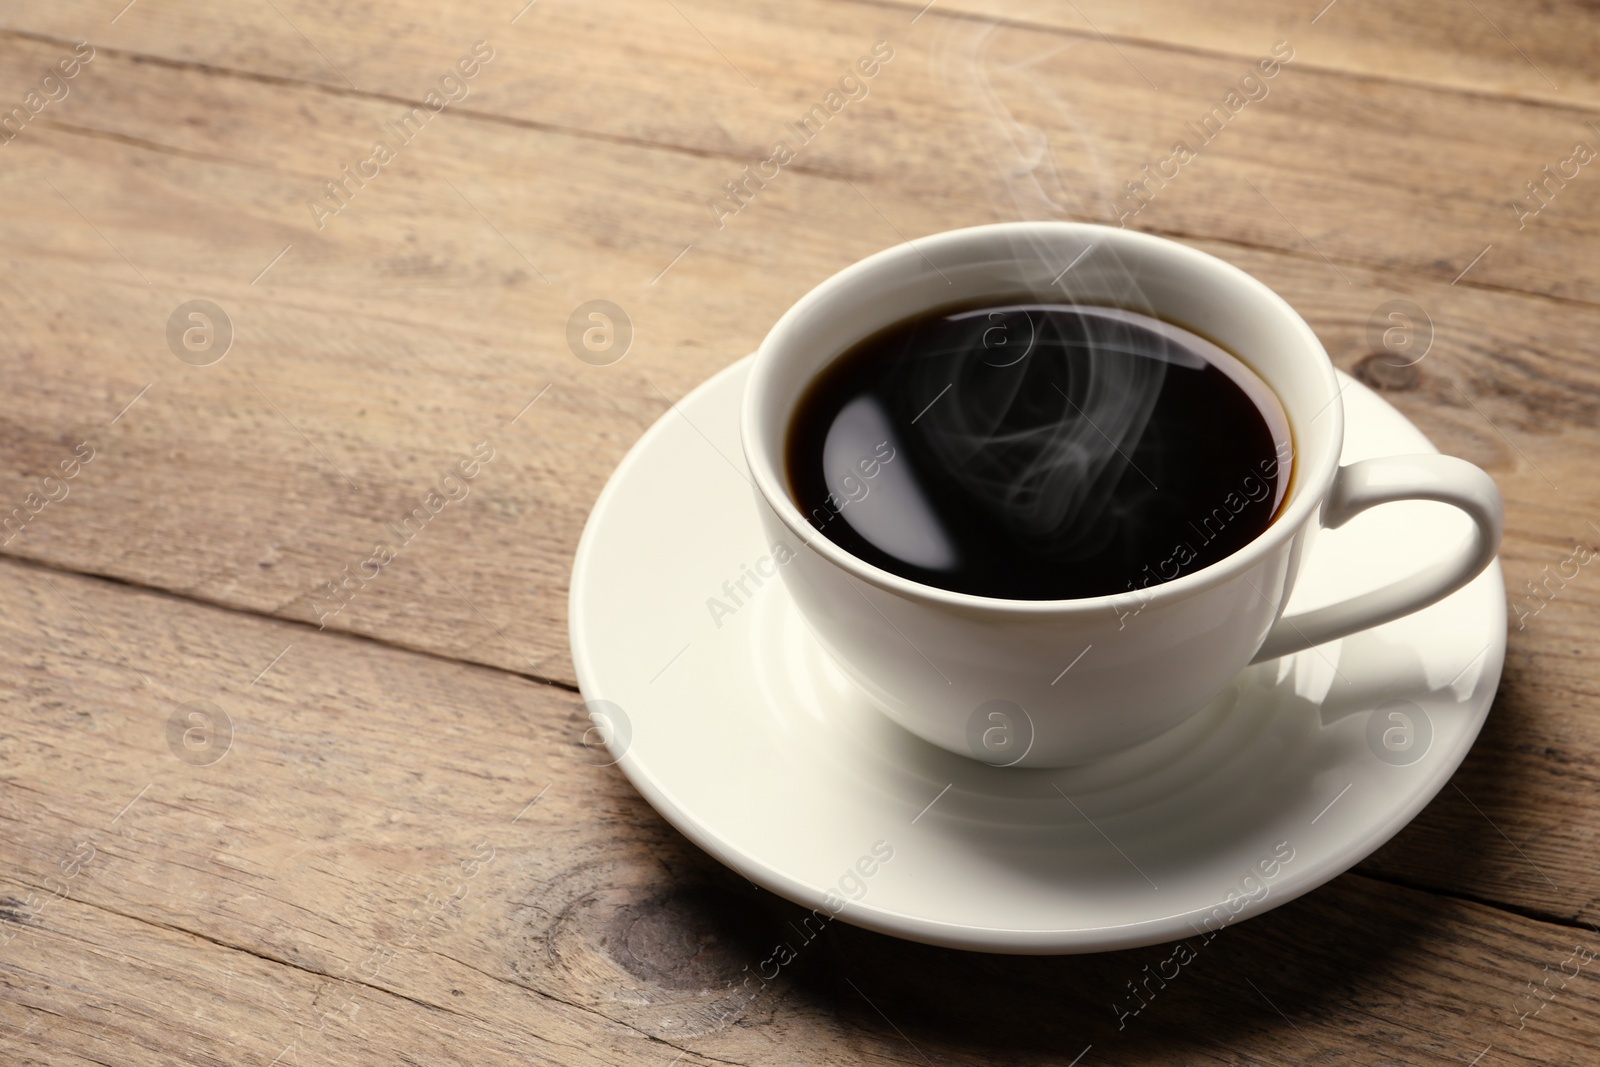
(1037, 416)
(1040, 416)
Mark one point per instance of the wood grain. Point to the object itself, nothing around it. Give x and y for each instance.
(1498, 49)
(410, 329)
(1483, 48)
(403, 857)
(235, 908)
(410, 321)
(1427, 173)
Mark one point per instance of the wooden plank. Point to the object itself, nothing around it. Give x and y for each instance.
(1535, 54)
(93, 985)
(1483, 48)
(1360, 169)
(310, 896)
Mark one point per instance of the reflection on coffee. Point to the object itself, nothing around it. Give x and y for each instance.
(1038, 451)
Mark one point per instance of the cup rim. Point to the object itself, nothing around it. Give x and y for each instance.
(1304, 499)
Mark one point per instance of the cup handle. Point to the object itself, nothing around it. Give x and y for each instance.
(1366, 484)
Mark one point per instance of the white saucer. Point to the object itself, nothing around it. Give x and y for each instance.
(755, 747)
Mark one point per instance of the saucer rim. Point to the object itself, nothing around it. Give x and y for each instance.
(1160, 929)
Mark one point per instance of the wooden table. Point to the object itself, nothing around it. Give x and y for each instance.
(245, 819)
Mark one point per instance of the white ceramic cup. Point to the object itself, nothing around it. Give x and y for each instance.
(983, 677)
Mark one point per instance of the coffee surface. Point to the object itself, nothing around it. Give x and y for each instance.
(1036, 451)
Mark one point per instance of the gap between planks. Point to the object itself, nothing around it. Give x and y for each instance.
(515, 122)
(1531, 914)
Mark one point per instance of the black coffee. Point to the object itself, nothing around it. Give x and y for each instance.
(1037, 451)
